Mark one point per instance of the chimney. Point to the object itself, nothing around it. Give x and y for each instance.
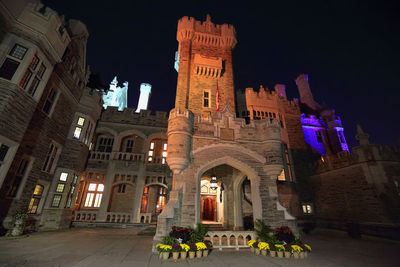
(306, 96)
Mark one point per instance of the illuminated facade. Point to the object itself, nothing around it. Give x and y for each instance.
(116, 96)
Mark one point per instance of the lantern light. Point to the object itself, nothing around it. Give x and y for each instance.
(214, 182)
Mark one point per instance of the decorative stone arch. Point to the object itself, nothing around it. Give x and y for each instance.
(122, 135)
(106, 130)
(160, 184)
(246, 169)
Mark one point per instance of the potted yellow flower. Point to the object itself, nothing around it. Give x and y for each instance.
(200, 247)
(164, 250)
(296, 249)
(184, 249)
(264, 247)
(250, 244)
(279, 250)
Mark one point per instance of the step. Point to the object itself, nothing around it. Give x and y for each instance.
(131, 226)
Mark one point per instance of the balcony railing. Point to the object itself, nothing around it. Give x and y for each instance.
(230, 239)
(118, 217)
(85, 216)
(124, 156)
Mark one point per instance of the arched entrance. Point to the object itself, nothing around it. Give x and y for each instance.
(226, 205)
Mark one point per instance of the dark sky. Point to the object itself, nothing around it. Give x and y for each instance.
(350, 49)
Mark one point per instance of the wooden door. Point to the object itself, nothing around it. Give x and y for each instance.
(208, 208)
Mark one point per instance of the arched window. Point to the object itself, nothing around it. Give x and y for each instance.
(158, 151)
(143, 207)
(162, 194)
(105, 143)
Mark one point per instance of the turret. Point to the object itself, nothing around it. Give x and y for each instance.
(180, 134)
(145, 90)
(306, 96)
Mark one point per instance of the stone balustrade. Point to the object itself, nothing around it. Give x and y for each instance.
(97, 155)
(230, 239)
(145, 217)
(127, 156)
(85, 216)
(118, 217)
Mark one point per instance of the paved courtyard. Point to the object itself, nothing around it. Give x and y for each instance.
(110, 247)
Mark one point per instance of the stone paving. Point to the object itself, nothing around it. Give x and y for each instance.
(110, 247)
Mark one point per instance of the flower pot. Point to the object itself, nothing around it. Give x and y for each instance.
(183, 255)
(257, 251)
(305, 254)
(264, 252)
(302, 255)
(287, 254)
(272, 253)
(280, 254)
(192, 254)
(165, 255)
(199, 253)
(160, 255)
(205, 253)
(252, 249)
(296, 255)
(175, 255)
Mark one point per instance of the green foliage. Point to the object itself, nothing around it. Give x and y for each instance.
(167, 240)
(198, 234)
(18, 221)
(262, 230)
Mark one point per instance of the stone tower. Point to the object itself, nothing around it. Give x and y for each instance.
(205, 62)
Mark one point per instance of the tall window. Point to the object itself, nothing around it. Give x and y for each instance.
(3, 152)
(143, 207)
(71, 191)
(161, 199)
(51, 158)
(288, 162)
(94, 195)
(307, 208)
(35, 200)
(206, 99)
(88, 133)
(51, 98)
(105, 144)
(33, 75)
(18, 178)
(79, 127)
(12, 61)
(318, 134)
(121, 188)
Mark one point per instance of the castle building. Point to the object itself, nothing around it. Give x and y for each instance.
(72, 155)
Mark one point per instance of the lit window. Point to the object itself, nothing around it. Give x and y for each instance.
(307, 209)
(163, 161)
(165, 146)
(152, 145)
(150, 153)
(56, 201)
(60, 188)
(81, 121)
(94, 196)
(143, 207)
(77, 132)
(63, 176)
(164, 154)
(34, 203)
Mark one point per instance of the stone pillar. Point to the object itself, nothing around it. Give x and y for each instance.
(101, 214)
(140, 183)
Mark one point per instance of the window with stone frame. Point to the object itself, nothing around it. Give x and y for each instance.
(88, 133)
(94, 195)
(35, 200)
(51, 99)
(79, 127)
(71, 191)
(18, 177)
(128, 144)
(143, 206)
(12, 61)
(51, 158)
(105, 143)
(121, 188)
(33, 75)
(206, 99)
(307, 208)
(55, 203)
(3, 152)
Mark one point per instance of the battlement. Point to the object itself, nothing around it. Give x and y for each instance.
(310, 120)
(206, 32)
(176, 112)
(128, 115)
(37, 21)
(263, 96)
(359, 154)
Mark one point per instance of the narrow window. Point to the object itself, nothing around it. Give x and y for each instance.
(35, 200)
(18, 178)
(94, 195)
(121, 188)
(51, 97)
(206, 99)
(3, 152)
(318, 134)
(33, 76)
(307, 208)
(51, 158)
(161, 200)
(79, 126)
(105, 144)
(56, 201)
(143, 207)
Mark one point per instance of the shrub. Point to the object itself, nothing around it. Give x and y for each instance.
(182, 233)
(198, 234)
(167, 240)
(262, 230)
(285, 234)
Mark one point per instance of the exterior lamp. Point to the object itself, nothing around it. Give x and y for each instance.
(214, 182)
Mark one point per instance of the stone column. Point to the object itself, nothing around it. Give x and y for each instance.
(140, 183)
(101, 214)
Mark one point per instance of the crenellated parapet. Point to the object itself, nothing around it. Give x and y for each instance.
(206, 32)
(129, 116)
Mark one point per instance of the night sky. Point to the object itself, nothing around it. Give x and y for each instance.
(350, 51)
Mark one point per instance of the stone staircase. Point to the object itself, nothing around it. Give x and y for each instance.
(130, 226)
